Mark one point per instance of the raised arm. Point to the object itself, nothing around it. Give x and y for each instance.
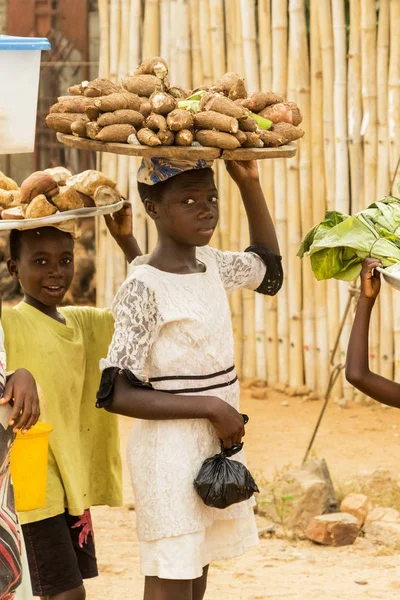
(262, 230)
(357, 362)
(120, 226)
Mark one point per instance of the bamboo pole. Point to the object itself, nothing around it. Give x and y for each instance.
(151, 28)
(354, 101)
(197, 63)
(279, 85)
(385, 299)
(318, 194)
(394, 144)
(296, 365)
(207, 58)
(341, 155)
(369, 127)
(267, 177)
(217, 37)
(104, 51)
(165, 27)
(326, 37)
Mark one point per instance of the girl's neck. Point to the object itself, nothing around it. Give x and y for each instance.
(50, 311)
(173, 257)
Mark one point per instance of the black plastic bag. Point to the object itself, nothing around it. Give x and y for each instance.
(222, 482)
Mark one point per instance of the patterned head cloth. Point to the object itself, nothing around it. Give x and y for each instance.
(155, 170)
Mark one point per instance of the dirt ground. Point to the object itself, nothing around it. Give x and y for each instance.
(353, 441)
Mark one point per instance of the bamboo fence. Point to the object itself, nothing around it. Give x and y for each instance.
(340, 60)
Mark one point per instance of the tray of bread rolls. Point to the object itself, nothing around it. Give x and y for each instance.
(53, 196)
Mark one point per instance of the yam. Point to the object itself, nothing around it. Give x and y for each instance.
(9, 198)
(297, 117)
(215, 120)
(118, 101)
(93, 113)
(290, 132)
(115, 133)
(76, 90)
(147, 137)
(68, 199)
(217, 139)
(221, 104)
(142, 85)
(78, 127)
(278, 113)
(166, 137)
(156, 122)
(36, 184)
(132, 139)
(248, 124)
(184, 137)
(232, 85)
(153, 66)
(14, 213)
(55, 108)
(101, 87)
(40, 207)
(253, 140)
(257, 101)
(62, 121)
(162, 103)
(105, 195)
(6, 183)
(121, 117)
(241, 136)
(59, 174)
(179, 93)
(92, 129)
(272, 139)
(179, 119)
(145, 108)
(74, 104)
(88, 181)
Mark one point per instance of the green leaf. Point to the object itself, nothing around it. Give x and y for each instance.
(261, 121)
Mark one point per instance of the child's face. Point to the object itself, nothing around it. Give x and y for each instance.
(45, 266)
(188, 209)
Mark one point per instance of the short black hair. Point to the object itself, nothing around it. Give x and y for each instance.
(15, 244)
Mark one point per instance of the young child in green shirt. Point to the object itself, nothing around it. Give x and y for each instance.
(62, 348)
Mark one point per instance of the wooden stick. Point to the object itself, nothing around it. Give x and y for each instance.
(205, 29)
(151, 28)
(135, 20)
(104, 26)
(217, 38)
(197, 63)
(165, 29)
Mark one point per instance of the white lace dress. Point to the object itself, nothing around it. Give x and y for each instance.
(176, 331)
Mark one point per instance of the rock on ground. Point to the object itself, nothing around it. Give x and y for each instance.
(382, 526)
(358, 505)
(336, 529)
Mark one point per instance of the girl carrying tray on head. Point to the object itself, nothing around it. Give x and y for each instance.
(171, 366)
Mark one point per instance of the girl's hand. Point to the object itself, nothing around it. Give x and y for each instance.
(228, 423)
(119, 224)
(370, 278)
(242, 171)
(21, 387)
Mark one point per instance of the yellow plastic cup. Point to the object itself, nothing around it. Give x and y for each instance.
(29, 459)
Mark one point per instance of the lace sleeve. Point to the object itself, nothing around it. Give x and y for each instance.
(137, 323)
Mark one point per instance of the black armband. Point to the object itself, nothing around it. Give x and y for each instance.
(272, 282)
(106, 390)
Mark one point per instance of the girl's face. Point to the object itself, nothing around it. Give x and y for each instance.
(45, 266)
(187, 211)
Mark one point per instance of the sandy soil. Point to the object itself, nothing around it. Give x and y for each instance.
(353, 441)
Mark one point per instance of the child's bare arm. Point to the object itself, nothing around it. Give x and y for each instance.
(261, 227)
(151, 404)
(120, 226)
(357, 363)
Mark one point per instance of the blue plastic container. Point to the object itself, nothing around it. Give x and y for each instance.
(19, 85)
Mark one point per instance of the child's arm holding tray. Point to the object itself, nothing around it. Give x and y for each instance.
(357, 363)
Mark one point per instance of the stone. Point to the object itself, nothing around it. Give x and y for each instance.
(357, 505)
(258, 393)
(382, 526)
(312, 493)
(336, 529)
